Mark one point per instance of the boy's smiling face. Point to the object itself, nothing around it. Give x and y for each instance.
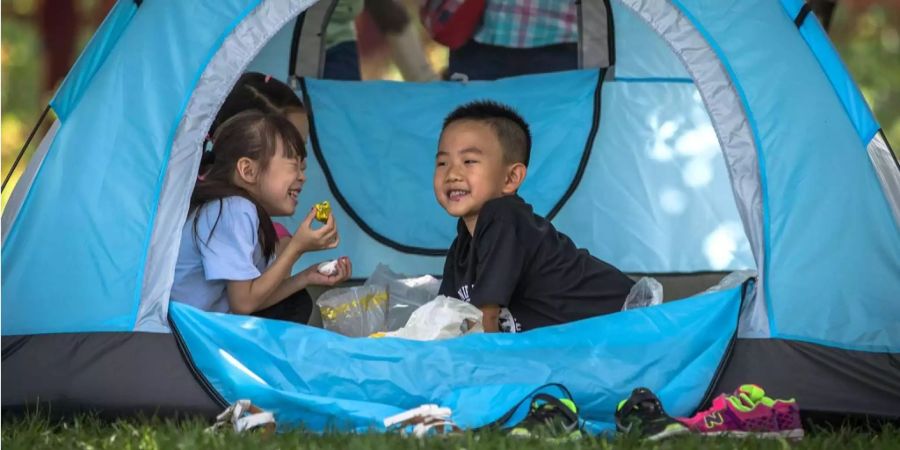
(470, 170)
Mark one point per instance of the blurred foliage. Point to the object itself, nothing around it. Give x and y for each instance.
(867, 35)
(21, 87)
(865, 32)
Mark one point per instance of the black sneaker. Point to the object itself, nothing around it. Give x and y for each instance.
(550, 417)
(643, 413)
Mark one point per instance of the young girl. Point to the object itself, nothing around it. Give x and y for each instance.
(261, 92)
(227, 260)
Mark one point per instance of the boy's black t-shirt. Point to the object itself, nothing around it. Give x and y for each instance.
(517, 260)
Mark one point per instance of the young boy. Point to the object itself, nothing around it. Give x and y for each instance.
(509, 262)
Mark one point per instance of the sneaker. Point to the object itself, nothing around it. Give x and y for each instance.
(550, 417)
(786, 412)
(748, 412)
(643, 413)
(786, 416)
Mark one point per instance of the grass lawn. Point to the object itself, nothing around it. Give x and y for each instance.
(89, 433)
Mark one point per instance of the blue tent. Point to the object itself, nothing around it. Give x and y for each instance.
(697, 138)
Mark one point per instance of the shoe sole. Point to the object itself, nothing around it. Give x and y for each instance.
(667, 433)
(795, 434)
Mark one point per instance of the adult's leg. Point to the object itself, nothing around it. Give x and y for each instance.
(342, 62)
(549, 58)
(477, 61)
(490, 62)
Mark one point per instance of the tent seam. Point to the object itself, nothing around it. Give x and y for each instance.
(864, 138)
(763, 179)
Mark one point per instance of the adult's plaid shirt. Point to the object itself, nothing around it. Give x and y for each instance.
(517, 23)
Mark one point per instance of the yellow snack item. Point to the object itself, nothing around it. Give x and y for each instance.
(353, 308)
(323, 210)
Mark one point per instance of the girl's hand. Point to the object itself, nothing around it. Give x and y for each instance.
(344, 270)
(306, 239)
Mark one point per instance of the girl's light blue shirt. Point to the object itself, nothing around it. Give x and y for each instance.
(226, 247)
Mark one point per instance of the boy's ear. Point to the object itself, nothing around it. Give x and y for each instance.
(515, 175)
(247, 170)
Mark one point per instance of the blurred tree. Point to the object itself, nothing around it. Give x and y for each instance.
(59, 28)
(824, 10)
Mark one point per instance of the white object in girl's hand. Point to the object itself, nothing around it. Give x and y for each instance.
(328, 268)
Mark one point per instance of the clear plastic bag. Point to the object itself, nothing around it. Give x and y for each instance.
(646, 292)
(355, 311)
(405, 294)
(441, 318)
(732, 280)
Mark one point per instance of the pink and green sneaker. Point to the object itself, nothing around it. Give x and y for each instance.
(730, 415)
(785, 412)
(748, 412)
(787, 417)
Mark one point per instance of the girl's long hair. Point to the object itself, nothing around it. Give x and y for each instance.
(253, 90)
(251, 134)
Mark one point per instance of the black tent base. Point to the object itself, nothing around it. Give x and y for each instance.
(829, 384)
(113, 375)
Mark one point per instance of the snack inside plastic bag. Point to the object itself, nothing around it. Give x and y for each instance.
(646, 292)
(355, 311)
(441, 318)
(405, 294)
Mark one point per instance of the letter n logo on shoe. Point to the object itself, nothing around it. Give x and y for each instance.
(713, 419)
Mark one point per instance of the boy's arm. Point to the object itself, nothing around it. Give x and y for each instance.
(448, 279)
(491, 318)
(501, 261)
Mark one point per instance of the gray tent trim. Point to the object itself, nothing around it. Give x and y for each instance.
(309, 40)
(594, 37)
(729, 119)
(888, 171)
(20, 191)
(222, 72)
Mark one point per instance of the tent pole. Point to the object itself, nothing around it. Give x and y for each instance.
(24, 147)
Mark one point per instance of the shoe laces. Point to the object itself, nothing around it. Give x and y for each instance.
(553, 413)
(640, 407)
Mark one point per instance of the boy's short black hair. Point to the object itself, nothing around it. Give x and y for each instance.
(511, 129)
